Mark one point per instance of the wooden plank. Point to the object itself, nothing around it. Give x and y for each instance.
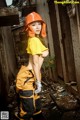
(75, 31)
(9, 20)
(9, 16)
(8, 11)
(67, 44)
(55, 35)
(61, 46)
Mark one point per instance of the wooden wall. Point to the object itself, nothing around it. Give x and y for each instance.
(63, 41)
(7, 59)
(66, 39)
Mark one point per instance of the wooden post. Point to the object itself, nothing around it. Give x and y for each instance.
(75, 31)
(61, 46)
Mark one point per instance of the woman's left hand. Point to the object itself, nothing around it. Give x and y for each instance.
(38, 85)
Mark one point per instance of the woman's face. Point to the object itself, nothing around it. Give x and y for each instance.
(36, 26)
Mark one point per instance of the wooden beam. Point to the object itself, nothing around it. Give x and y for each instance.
(9, 16)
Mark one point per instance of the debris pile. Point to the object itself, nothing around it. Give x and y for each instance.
(56, 102)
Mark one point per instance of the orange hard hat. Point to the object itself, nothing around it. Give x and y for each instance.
(33, 17)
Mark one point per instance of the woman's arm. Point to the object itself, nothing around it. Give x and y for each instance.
(41, 60)
(36, 67)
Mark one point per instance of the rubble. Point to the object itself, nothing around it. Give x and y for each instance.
(56, 102)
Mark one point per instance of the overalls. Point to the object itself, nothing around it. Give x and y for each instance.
(30, 103)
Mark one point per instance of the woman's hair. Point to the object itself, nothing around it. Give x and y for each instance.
(33, 17)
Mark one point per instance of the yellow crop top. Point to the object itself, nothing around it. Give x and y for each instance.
(35, 46)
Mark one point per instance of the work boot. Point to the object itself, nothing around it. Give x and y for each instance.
(19, 118)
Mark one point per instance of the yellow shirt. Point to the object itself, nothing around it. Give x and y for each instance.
(35, 46)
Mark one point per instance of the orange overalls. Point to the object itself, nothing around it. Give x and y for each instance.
(30, 103)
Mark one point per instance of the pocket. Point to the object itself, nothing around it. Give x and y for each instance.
(27, 103)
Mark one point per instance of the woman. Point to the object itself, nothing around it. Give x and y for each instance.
(30, 104)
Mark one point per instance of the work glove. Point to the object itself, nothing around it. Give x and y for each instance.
(38, 87)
